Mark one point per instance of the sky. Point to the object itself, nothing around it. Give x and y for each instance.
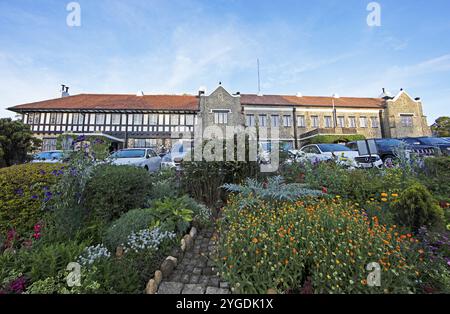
(318, 47)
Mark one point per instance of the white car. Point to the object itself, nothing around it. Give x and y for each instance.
(340, 154)
(138, 157)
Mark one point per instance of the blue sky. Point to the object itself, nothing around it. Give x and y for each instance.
(314, 47)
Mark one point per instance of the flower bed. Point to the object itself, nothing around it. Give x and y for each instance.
(324, 244)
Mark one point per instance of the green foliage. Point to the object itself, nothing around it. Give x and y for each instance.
(330, 139)
(416, 207)
(114, 190)
(441, 127)
(42, 261)
(164, 184)
(68, 212)
(132, 221)
(22, 191)
(174, 214)
(436, 177)
(203, 179)
(273, 189)
(16, 141)
(98, 145)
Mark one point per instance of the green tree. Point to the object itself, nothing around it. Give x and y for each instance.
(442, 127)
(16, 141)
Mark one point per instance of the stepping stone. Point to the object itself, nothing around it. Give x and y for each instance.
(170, 288)
(193, 289)
(214, 290)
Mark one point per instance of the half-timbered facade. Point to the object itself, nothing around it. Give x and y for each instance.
(155, 120)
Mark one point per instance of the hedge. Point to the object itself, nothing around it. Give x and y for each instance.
(330, 139)
(23, 189)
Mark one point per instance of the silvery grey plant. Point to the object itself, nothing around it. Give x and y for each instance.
(147, 239)
(93, 253)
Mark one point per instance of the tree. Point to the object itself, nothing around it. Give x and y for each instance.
(441, 127)
(16, 141)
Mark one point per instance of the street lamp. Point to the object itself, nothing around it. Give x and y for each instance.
(334, 96)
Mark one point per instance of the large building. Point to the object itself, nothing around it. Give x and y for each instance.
(153, 120)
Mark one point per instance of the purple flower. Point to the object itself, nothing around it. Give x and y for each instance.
(18, 285)
(48, 196)
(42, 172)
(19, 192)
(34, 197)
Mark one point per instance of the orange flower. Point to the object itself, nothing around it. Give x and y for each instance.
(255, 240)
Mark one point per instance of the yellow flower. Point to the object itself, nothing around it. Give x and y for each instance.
(384, 200)
(384, 194)
(394, 195)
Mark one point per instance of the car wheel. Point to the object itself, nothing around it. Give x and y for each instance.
(388, 161)
(146, 168)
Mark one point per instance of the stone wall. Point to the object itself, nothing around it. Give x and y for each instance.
(403, 104)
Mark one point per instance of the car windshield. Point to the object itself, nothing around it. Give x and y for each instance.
(390, 143)
(131, 153)
(329, 148)
(42, 156)
(167, 158)
(432, 141)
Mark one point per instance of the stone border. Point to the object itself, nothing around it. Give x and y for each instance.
(171, 262)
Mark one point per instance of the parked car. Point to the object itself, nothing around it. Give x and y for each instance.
(139, 157)
(175, 157)
(446, 139)
(441, 144)
(387, 149)
(339, 153)
(53, 156)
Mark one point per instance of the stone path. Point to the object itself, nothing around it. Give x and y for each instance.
(195, 274)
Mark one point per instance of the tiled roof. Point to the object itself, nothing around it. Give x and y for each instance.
(313, 101)
(115, 102)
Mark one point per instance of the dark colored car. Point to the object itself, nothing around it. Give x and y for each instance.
(387, 148)
(441, 144)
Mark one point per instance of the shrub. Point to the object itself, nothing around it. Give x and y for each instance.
(174, 214)
(23, 188)
(164, 184)
(436, 176)
(132, 221)
(42, 261)
(416, 207)
(203, 179)
(278, 245)
(114, 190)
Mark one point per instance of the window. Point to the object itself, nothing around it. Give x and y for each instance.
(363, 122)
(58, 118)
(189, 119)
(301, 121)
(221, 117)
(48, 144)
(174, 119)
(374, 122)
(406, 120)
(137, 119)
(275, 121)
(315, 121)
(115, 119)
(78, 118)
(287, 121)
(53, 118)
(36, 118)
(182, 119)
(250, 120)
(262, 120)
(144, 143)
(341, 122)
(328, 123)
(100, 119)
(153, 119)
(352, 121)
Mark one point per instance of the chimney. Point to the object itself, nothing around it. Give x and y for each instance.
(417, 99)
(201, 90)
(64, 91)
